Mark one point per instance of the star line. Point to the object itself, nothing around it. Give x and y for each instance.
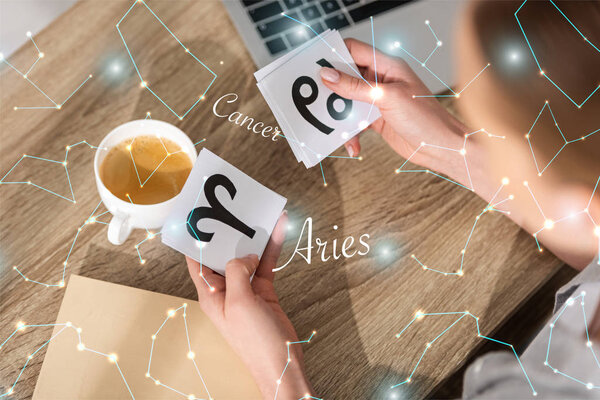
(92, 219)
(56, 105)
(144, 83)
(288, 361)
(21, 326)
(398, 45)
(549, 223)
(589, 344)
(566, 142)
(462, 151)
(489, 207)
(190, 354)
(542, 72)
(461, 314)
(63, 163)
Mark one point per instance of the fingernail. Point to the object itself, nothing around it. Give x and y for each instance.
(330, 74)
(351, 150)
(284, 212)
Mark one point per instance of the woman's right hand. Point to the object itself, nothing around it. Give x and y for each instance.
(406, 121)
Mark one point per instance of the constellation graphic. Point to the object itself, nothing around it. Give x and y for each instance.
(542, 72)
(21, 326)
(144, 83)
(40, 55)
(150, 235)
(419, 315)
(566, 142)
(64, 164)
(549, 223)
(569, 303)
(92, 219)
(462, 151)
(438, 44)
(167, 155)
(288, 361)
(489, 207)
(190, 355)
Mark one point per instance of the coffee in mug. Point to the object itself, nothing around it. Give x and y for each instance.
(149, 169)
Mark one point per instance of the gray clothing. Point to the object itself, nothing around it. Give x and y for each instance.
(572, 370)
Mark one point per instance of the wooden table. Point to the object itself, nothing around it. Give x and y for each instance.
(357, 305)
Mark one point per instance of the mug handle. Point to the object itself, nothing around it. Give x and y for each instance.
(119, 229)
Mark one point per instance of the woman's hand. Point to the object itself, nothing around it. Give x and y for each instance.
(405, 121)
(248, 315)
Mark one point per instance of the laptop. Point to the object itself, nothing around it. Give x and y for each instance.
(415, 25)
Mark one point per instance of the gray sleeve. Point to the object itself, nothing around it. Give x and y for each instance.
(558, 364)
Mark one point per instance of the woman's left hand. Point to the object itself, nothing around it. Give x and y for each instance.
(248, 315)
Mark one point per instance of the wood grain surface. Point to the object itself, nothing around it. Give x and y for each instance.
(357, 305)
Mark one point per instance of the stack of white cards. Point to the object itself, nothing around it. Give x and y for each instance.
(314, 120)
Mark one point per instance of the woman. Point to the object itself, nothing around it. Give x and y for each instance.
(248, 314)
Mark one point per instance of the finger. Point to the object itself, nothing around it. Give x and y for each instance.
(347, 86)
(362, 53)
(209, 285)
(237, 278)
(353, 146)
(270, 256)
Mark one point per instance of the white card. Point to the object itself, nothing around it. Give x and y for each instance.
(315, 120)
(221, 214)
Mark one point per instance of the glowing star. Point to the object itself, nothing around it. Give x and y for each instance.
(191, 355)
(112, 358)
(80, 347)
(376, 93)
(548, 224)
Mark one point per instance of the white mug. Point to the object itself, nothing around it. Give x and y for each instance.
(127, 216)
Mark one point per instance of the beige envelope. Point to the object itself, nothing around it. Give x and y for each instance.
(117, 324)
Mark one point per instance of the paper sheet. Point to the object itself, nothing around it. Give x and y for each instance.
(121, 320)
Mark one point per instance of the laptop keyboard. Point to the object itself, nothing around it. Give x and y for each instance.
(281, 33)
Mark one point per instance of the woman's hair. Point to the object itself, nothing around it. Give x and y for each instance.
(564, 38)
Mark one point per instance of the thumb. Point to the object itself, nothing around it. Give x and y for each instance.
(347, 86)
(237, 277)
